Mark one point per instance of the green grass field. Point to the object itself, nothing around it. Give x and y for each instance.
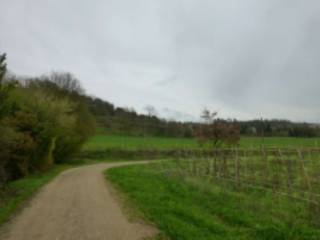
(193, 208)
(102, 141)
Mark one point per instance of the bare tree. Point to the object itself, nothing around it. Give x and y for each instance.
(208, 116)
(66, 81)
(151, 111)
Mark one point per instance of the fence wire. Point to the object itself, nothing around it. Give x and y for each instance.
(273, 178)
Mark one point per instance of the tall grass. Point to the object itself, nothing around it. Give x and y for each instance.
(286, 177)
(238, 194)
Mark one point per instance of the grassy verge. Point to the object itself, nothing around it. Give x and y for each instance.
(17, 192)
(196, 210)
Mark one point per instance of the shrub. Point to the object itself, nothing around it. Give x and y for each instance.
(217, 132)
(42, 121)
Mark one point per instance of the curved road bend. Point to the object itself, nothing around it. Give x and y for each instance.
(77, 205)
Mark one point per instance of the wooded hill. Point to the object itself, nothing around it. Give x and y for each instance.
(119, 120)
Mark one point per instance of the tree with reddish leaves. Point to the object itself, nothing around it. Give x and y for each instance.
(216, 132)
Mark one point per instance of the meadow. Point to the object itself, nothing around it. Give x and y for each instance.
(103, 141)
(268, 188)
(230, 196)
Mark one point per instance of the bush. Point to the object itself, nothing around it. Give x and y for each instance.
(217, 132)
(42, 121)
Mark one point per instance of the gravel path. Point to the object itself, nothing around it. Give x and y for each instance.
(76, 205)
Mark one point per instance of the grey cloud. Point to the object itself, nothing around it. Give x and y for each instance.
(166, 81)
(246, 58)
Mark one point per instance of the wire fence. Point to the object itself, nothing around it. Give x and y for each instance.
(266, 180)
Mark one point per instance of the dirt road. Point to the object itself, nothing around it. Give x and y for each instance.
(76, 205)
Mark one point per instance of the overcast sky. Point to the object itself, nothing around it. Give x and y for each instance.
(244, 58)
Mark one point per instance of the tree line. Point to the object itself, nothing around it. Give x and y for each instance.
(278, 128)
(119, 120)
(43, 120)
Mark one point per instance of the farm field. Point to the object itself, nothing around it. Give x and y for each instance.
(227, 197)
(103, 141)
